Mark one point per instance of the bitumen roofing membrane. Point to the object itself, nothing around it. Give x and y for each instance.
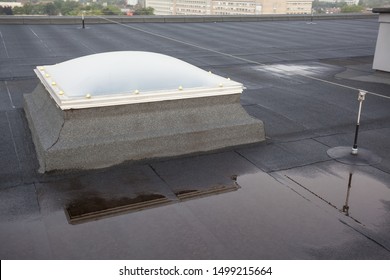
(285, 198)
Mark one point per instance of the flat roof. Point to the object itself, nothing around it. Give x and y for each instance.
(282, 199)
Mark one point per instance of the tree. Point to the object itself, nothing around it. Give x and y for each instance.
(111, 10)
(7, 10)
(322, 7)
(66, 8)
(351, 9)
(375, 3)
(144, 11)
(50, 9)
(18, 10)
(69, 7)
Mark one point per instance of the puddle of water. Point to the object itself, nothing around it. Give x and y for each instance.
(92, 207)
(354, 191)
(292, 69)
(263, 220)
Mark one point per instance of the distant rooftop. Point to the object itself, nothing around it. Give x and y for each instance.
(16, 19)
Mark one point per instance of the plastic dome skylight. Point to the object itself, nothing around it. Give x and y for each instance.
(127, 77)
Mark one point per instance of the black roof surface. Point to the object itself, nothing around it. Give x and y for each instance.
(281, 199)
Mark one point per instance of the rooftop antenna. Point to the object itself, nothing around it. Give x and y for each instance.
(361, 98)
(311, 17)
(82, 20)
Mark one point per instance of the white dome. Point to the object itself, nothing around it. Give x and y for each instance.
(120, 74)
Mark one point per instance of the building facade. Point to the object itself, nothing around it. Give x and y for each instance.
(348, 2)
(236, 7)
(11, 4)
(229, 7)
(161, 7)
(294, 7)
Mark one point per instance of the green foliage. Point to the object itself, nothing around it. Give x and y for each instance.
(375, 3)
(317, 4)
(320, 6)
(50, 9)
(7, 10)
(340, 3)
(351, 9)
(111, 10)
(35, 9)
(18, 10)
(144, 11)
(66, 8)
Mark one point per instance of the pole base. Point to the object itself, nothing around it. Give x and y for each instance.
(343, 154)
(354, 151)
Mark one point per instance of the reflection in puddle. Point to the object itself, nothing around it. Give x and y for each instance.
(361, 194)
(93, 208)
(96, 207)
(189, 194)
(346, 206)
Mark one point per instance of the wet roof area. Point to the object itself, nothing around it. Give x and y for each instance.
(285, 198)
